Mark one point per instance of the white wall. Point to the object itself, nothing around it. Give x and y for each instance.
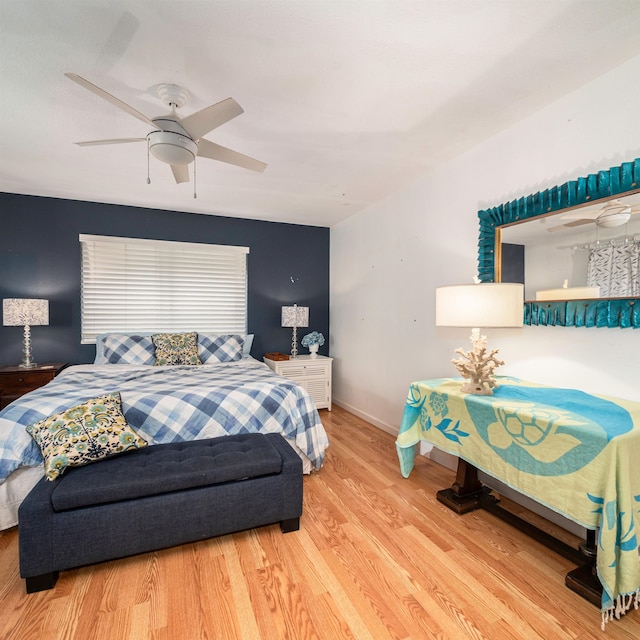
(387, 261)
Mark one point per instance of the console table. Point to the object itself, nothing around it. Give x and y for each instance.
(573, 452)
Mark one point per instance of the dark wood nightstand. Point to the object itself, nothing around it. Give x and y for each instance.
(16, 381)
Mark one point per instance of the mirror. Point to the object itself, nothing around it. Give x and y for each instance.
(555, 250)
(551, 233)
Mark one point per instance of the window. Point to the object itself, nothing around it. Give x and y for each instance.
(153, 285)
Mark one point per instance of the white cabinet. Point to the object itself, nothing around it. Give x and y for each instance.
(314, 374)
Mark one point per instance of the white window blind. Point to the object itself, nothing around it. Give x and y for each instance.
(153, 285)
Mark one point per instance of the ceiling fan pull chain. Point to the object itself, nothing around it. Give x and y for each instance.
(148, 178)
(195, 195)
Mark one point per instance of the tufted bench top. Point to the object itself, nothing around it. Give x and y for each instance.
(164, 468)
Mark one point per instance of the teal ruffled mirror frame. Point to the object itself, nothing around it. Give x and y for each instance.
(613, 312)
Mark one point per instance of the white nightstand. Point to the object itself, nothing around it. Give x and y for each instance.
(314, 374)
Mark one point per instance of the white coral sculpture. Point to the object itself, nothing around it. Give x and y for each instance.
(478, 366)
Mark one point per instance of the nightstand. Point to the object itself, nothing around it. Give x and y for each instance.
(314, 374)
(16, 381)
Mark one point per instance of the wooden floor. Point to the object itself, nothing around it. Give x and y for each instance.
(376, 557)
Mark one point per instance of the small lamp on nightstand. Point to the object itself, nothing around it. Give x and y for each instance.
(25, 312)
(295, 317)
(494, 304)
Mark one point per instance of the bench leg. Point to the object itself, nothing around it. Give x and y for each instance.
(293, 524)
(42, 582)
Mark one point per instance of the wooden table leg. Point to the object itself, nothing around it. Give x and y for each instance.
(467, 492)
(584, 580)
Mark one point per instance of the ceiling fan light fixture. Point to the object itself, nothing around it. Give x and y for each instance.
(172, 148)
(615, 219)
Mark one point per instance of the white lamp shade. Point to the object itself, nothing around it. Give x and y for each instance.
(18, 312)
(495, 304)
(295, 316)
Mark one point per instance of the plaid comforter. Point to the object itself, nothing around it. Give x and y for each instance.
(169, 404)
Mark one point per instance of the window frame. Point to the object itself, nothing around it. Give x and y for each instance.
(128, 285)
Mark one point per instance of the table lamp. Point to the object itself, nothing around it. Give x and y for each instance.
(295, 317)
(25, 312)
(495, 304)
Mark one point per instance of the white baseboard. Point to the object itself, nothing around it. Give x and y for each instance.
(365, 416)
(443, 458)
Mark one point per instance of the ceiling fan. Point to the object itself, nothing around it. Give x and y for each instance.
(175, 140)
(614, 213)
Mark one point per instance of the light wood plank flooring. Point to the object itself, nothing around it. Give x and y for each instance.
(376, 557)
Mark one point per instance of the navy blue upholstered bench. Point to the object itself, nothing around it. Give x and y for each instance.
(157, 497)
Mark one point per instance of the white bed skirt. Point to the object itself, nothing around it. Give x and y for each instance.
(13, 491)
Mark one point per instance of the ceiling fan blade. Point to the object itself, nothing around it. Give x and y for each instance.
(609, 208)
(209, 118)
(574, 223)
(180, 172)
(214, 151)
(577, 223)
(89, 143)
(109, 98)
(580, 214)
(615, 206)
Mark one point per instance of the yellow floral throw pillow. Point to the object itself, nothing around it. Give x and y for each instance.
(176, 348)
(85, 433)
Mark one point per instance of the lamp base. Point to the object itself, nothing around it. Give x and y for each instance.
(27, 362)
(478, 366)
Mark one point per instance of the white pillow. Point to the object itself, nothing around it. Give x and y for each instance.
(246, 348)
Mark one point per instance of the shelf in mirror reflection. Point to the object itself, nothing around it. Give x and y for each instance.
(568, 293)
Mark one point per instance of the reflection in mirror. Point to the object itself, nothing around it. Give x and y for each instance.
(585, 252)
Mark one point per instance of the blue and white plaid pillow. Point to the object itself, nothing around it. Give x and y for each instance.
(212, 348)
(122, 348)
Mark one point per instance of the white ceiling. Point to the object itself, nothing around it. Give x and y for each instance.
(346, 100)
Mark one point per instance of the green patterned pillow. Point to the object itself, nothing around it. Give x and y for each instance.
(85, 433)
(176, 348)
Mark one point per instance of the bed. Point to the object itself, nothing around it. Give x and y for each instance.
(222, 396)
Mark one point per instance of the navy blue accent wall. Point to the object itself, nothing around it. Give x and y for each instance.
(40, 258)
